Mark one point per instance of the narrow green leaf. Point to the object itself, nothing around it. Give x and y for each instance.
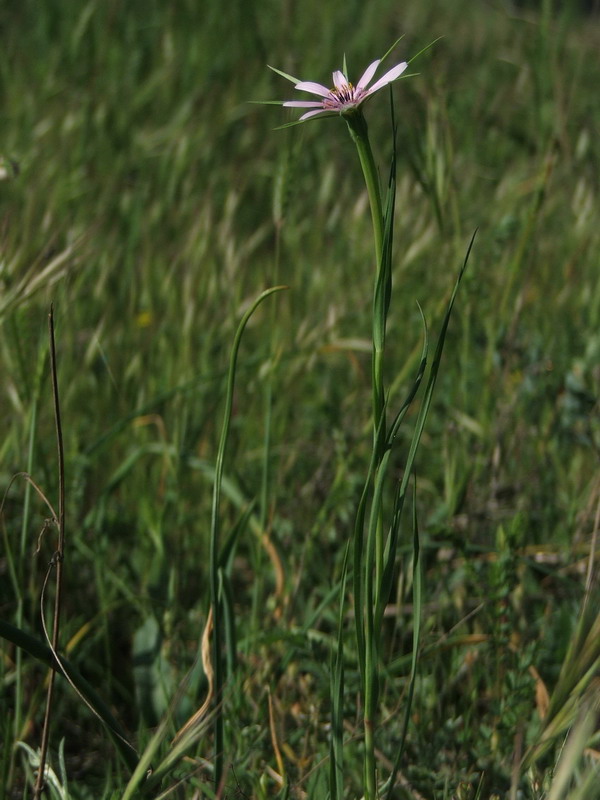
(420, 53)
(284, 74)
(218, 629)
(416, 438)
(336, 775)
(396, 43)
(417, 611)
(42, 653)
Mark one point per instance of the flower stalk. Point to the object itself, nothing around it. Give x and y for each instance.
(346, 100)
(358, 128)
(357, 125)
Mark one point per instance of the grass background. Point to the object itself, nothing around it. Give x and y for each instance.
(146, 198)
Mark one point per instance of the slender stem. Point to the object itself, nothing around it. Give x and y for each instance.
(359, 132)
(371, 681)
(360, 135)
(57, 559)
(357, 125)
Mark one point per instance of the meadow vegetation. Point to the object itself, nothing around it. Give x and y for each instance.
(151, 203)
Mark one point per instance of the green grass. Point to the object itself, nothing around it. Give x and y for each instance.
(152, 204)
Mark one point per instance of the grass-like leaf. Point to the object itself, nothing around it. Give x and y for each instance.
(219, 630)
(44, 654)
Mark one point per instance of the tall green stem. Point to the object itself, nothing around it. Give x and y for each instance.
(357, 126)
(359, 132)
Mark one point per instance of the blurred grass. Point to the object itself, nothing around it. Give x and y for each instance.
(147, 199)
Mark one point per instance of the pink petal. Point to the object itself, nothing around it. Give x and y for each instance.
(302, 104)
(390, 76)
(339, 79)
(368, 74)
(313, 88)
(313, 114)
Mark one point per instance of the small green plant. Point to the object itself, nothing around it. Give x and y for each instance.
(376, 535)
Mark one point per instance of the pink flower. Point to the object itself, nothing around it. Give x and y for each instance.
(344, 98)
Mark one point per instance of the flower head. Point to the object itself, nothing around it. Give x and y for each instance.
(344, 98)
